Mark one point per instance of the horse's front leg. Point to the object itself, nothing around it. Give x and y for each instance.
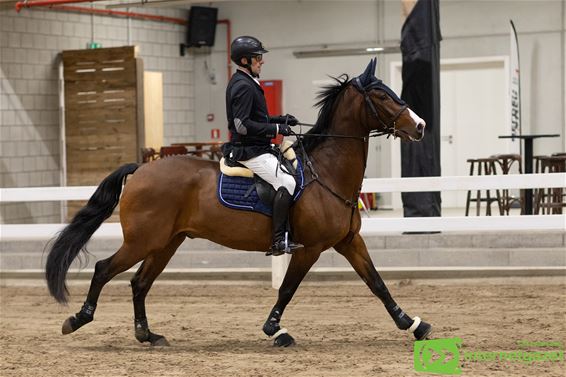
(356, 253)
(300, 264)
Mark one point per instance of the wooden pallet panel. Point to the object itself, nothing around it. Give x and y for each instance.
(100, 55)
(102, 107)
(88, 86)
(123, 73)
(125, 97)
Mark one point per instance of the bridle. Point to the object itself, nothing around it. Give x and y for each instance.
(388, 129)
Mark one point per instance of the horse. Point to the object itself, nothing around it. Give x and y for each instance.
(168, 200)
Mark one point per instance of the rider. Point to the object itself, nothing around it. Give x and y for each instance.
(251, 131)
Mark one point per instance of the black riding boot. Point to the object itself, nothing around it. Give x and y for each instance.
(281, 242)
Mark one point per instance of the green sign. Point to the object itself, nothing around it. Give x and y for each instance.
(91, 45)
(442, 356)
(439, 356)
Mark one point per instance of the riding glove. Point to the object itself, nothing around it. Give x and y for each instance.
(284, 129)
(285, 119)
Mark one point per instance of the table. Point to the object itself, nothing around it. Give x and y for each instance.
(213, 148)
(528, 163)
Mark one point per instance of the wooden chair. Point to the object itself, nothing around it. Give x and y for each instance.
(485, 166)
(506, 162)
(551, 200)
(148, 154)
(215, 152)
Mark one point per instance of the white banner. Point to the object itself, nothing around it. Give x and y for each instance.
(515, 84)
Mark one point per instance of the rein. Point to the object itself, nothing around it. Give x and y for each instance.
(388, 129)
(315, 177)
(353, 204)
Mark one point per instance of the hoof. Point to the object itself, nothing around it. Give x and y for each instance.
(67, 327)
(284, 340)
(73, 323)
(158, 341)
(423, 331)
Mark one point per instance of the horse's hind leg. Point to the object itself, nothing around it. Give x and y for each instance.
(142, 281)
(300, 264)
(356, 253)
(104, 271)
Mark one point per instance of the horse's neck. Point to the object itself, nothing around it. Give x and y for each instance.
(341, 162)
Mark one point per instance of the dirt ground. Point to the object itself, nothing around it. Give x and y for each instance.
(340, 328)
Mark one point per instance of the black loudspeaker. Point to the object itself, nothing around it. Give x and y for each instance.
(202, 26)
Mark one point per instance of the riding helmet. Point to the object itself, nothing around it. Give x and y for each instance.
(245, 46)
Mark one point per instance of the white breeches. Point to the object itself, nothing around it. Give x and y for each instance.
(265, 166)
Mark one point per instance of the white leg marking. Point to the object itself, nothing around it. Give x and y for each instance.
(280, 332)
(416, 323)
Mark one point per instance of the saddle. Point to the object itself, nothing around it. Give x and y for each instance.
(239, 188)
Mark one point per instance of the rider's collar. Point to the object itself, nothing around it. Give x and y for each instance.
(247, 73)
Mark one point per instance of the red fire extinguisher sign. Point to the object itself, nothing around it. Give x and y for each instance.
(215, 133)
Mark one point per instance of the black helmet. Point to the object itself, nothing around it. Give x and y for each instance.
(245, 46)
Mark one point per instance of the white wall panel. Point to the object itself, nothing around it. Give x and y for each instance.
(471, 29)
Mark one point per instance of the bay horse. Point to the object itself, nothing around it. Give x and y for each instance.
(168, 200)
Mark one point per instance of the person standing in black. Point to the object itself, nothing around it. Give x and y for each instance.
(251, 130)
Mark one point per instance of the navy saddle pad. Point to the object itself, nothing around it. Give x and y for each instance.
(232, 192)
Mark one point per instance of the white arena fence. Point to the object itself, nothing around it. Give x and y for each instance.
(369, 225)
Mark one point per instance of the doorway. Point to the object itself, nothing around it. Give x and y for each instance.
(474, 112)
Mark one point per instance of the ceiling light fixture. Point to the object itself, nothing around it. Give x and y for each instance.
(327, 52)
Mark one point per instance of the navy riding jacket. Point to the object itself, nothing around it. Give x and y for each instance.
(251, 128)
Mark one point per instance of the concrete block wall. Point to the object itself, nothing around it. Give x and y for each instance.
(30, 42)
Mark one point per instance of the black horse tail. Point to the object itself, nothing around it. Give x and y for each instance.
(74, 237)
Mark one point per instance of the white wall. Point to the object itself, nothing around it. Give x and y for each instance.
(30, 41)
(284, 27)
(470, 29)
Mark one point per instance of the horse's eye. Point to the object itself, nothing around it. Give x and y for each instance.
(382, 97)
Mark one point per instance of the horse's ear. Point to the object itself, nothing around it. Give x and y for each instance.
(374, 66)
(369, 72)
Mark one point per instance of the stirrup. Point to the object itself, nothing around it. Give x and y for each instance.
(289, 248)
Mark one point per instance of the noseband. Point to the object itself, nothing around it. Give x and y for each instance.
(388, 129)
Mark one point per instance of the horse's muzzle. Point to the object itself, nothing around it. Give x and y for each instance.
(421, 129)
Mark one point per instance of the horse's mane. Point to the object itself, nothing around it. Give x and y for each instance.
(327, 98)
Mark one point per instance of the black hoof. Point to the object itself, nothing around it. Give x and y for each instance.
(158, 341)
(144, 335)
(73, 323)
(423, 331)
(284, 340)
